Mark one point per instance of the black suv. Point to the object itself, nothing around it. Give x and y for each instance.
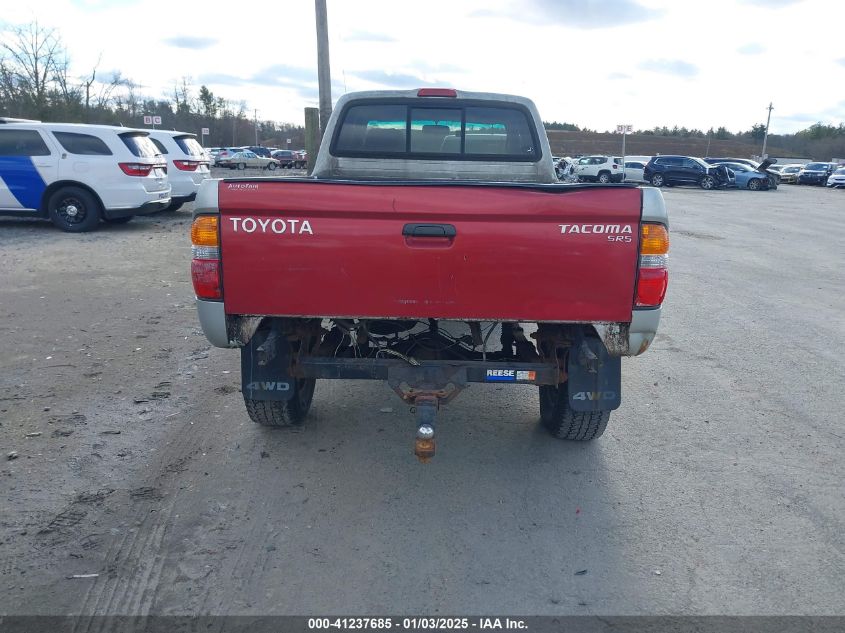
(685, 170)
(258, 149)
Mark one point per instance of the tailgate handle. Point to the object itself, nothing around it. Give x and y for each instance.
(429, 230)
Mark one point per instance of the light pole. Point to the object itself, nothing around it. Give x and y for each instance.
(766, 135)
(324, 78)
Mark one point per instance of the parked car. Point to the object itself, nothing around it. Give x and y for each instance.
(747, 177)
(634, 171)
(187, 164)
(755, 178)
(285, 157)
(837, 178)
(76, 175)
(770, 168)
(224, 153)
(602, 169)
(686, 170)
(244, 159)
(291, 159)
(789, 174)
(815, 173)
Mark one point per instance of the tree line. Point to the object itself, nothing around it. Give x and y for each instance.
(35, 83)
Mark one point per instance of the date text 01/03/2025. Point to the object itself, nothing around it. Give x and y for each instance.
(416, 624)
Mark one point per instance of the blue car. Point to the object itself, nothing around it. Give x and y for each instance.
(747, 177)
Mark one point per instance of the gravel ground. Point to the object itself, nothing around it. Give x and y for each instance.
(718, 488)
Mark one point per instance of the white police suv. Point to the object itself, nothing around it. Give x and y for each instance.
(77, 175)
(187, 164)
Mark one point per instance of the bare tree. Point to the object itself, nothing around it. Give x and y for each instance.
(35, 54)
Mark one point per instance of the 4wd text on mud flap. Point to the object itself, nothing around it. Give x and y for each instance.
(594, 395)
(268, 386)
(277, 226)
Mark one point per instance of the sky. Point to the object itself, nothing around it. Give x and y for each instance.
(595, 63)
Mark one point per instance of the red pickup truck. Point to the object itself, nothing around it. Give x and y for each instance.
(433, 247)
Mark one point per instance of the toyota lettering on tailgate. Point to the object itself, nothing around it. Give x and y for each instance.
(278, 226)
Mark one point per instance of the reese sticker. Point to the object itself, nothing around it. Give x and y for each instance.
(501, 375)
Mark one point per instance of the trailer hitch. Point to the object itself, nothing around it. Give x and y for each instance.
(425, 408)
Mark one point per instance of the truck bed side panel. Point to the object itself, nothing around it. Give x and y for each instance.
(337, 250)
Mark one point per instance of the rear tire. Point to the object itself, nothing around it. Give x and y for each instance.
(271, 166)
(280, 413)
(604, 178)
(563, 422)
(241, 166)
(74, 210)
(657, 180)
(755, 184)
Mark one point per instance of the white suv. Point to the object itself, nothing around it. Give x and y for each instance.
(187, 164)
(602, 169)
(77, 174)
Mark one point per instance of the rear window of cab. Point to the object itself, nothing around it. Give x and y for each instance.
(448, 131)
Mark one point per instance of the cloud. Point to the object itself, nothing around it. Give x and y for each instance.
(616, 76)
(675, 67)
(366, 36)
(841, 61)
(429, 68)
(220, 79)
(771, 4)
(392, 80)
(283, 75)
(751, 49)
(188, 41)
(583, 14)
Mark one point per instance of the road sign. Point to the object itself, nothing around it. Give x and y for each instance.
(148, 120)
(205, 131)
(624, 129)
(290, 141)
(156, 120)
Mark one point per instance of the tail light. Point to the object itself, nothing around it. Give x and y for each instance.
(654, 270)
(141, 169)
(205, 257)
(187, 165)
(136, 169)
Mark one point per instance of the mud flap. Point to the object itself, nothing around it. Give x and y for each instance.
(595, 377)
(264, 367)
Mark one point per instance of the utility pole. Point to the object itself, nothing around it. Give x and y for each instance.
(255, 120)
(324, 76)
(766, 135)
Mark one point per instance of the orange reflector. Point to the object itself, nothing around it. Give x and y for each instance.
(204, 231)
(655, 240)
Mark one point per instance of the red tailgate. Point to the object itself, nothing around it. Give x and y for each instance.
(338, 250)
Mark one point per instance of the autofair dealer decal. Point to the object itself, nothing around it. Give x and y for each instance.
(279, 226)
